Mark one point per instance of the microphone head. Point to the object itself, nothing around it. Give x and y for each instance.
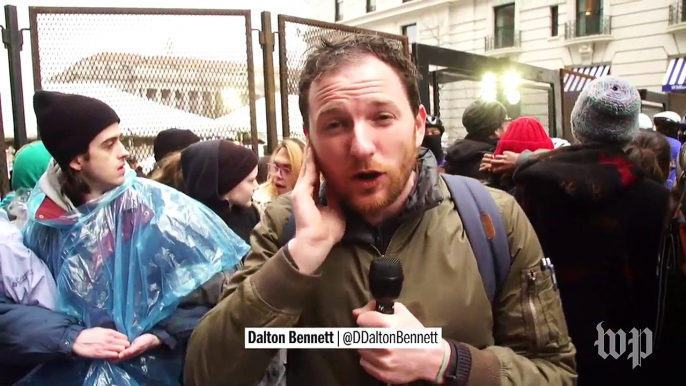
(386, 278)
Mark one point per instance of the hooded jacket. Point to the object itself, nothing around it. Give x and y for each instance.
(522, 340)
(600, 222)
(29, 165)
(201, 176)
(464, 157)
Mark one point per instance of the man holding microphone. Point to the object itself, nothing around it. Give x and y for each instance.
(383, 198)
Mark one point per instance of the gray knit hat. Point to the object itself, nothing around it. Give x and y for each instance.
(606, 111)
(483, 117)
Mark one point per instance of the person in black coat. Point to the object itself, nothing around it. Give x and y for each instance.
(485, 122)
(600, 221)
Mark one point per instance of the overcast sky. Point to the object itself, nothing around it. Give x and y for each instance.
(201, 37)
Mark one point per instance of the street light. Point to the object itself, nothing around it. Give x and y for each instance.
(489, 87)
(513, 97)
(511, 81)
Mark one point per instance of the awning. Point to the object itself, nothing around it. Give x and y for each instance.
(675, 77)
(575, 83)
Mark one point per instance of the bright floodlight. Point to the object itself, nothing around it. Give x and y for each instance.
(513, 97)
(490, 78)
(489, 87)
(511, 80)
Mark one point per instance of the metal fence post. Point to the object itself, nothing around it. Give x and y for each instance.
(436, 88)
(12, 38)
(267, 43)
(4, 173)
(556, 107)
(285, 88)
(425, 77)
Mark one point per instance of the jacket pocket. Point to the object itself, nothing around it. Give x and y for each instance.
(543, 316)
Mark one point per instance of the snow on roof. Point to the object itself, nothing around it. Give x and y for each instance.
(240, 119)
(140, 116)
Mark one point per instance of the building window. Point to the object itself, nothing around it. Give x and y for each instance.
(410, 31)
(589, 17)
(371, 5)
(553, 20)
(504, 26)
(339, 10)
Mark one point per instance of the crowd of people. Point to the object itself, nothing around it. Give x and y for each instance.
(109, 276)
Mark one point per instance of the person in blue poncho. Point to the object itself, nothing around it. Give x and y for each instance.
(130, 257)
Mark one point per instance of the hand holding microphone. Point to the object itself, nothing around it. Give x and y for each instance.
(385, 282)
(394, 366)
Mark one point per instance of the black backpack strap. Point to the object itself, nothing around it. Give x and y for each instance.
(476, 206)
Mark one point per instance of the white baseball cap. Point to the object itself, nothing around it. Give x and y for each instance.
(668, 115)
(644, 122)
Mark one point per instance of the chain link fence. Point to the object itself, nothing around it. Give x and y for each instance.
(296, 37)
(157, 68)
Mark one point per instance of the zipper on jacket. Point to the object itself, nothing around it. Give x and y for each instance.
(531, 308)
(390, 242)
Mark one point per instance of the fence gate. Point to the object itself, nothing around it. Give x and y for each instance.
(296, 37)
(158, 68)
(573, 83)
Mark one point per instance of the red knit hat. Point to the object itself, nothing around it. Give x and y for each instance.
(524, 134)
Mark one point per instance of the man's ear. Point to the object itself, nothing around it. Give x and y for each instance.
(420, 126)
(77, 163)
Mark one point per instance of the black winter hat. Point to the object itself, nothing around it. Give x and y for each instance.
(172, 140)
(218, 163)
(67, 123)
(235, 164)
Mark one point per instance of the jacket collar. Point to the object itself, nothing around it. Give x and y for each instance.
(50, 185)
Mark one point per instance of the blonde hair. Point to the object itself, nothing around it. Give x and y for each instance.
(296, 152)
(170, 172)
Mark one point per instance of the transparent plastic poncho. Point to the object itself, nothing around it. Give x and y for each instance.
(125, 262)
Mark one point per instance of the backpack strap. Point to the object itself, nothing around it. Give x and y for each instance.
(483, 224)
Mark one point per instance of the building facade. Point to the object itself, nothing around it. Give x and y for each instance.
(643, 41)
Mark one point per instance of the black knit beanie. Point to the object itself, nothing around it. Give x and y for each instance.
(213, 168)
(67, 123)
(235, 164)
(172, 140)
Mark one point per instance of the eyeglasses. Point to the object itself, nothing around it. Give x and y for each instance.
(284, 169)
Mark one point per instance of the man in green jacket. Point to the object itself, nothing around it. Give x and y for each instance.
(384, 197)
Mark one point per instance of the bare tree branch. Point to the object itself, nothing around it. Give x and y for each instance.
(437, 31)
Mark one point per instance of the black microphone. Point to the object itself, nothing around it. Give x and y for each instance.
(386, 282)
